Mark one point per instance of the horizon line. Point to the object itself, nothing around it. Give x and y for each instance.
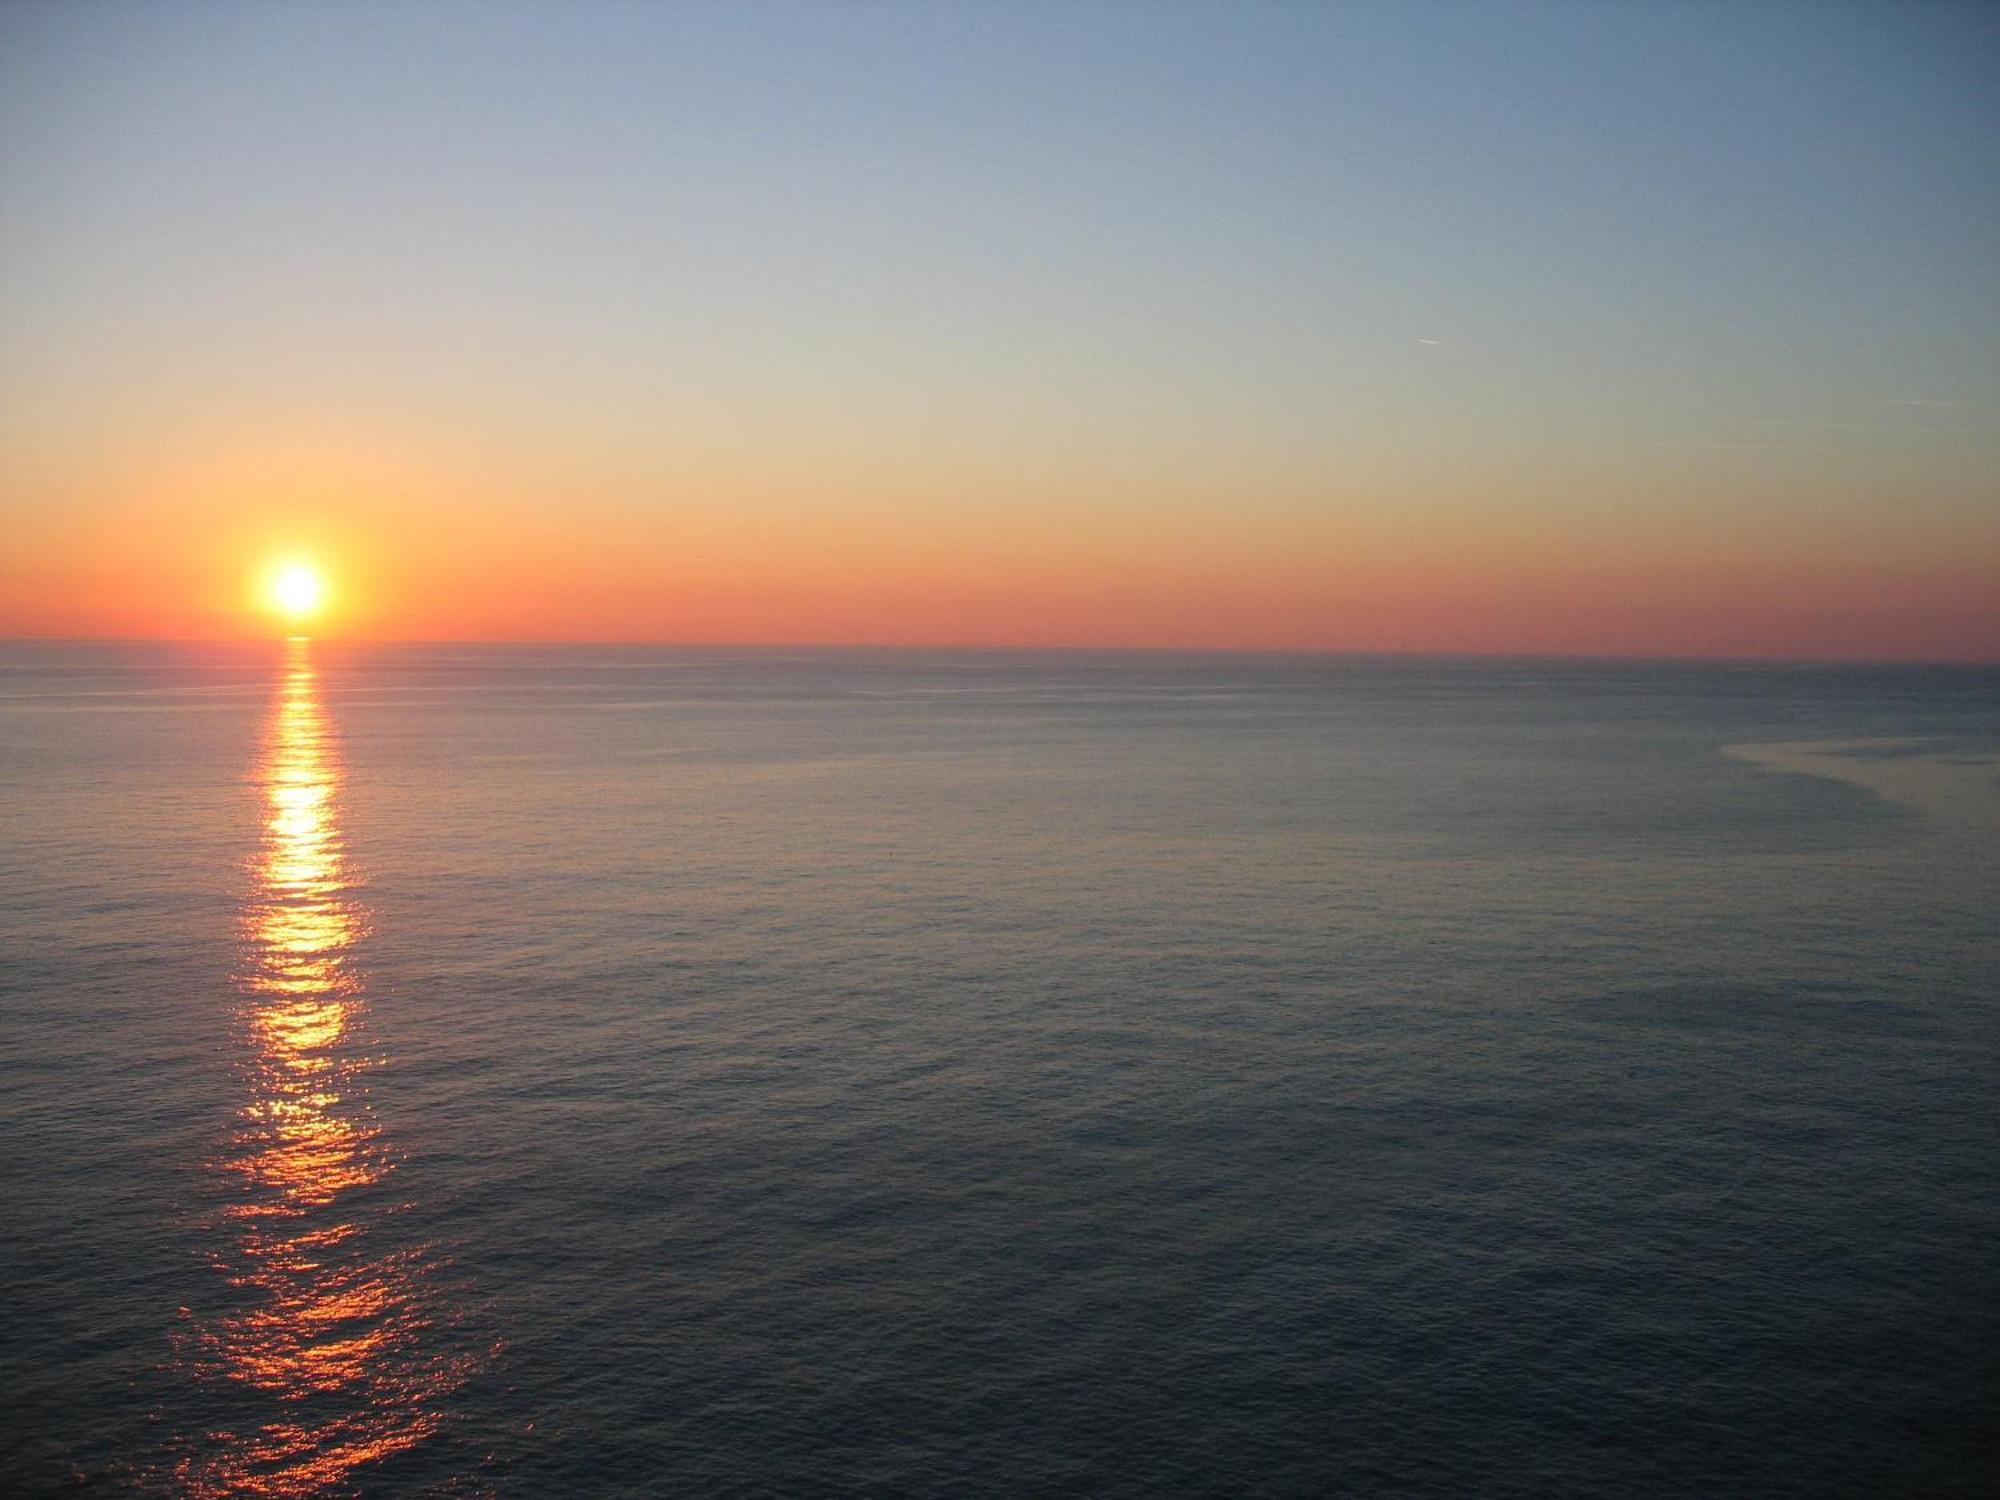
(1385, 653)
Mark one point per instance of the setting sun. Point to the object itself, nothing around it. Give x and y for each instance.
(296, 591)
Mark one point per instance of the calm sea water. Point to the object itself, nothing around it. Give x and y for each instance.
(588, 1071)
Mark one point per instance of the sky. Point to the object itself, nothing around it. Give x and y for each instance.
(1609, 328)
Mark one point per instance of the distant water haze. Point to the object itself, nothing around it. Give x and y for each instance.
(521, 1071)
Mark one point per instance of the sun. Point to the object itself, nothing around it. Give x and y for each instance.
(296, 591)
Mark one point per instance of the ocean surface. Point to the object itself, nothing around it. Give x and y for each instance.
(595, 1071)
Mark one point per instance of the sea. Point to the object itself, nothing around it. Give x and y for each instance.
(540, 1071)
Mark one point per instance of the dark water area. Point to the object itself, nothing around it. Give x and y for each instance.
(599, 1071)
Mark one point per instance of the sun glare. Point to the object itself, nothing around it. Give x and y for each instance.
(296, 591)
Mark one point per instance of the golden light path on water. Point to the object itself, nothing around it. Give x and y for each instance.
(324, 1340)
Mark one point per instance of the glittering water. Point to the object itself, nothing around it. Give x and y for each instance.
(332, 1337)
(589, 1071)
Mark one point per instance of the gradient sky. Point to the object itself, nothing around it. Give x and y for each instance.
(1663, 329)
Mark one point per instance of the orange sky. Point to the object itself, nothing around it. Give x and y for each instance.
(177, 543)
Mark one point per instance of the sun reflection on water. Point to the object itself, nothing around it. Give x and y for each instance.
(327, 1347)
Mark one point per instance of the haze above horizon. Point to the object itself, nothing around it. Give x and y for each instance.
(1429, 328)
